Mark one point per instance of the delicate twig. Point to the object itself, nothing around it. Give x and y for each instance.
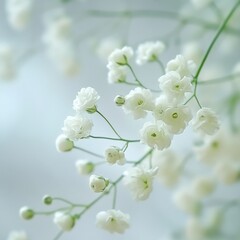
(89, 152)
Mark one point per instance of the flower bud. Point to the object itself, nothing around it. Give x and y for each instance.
(26, 213)
(84, 167)
(119, 100)
(63, 144)
(114, 155)
(47, 200)
(98, 183)
(64, 221)
(92, 109)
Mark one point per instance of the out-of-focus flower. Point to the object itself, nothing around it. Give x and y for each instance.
(113, 221)
(17, 235)
(64, 221)
(84, 167)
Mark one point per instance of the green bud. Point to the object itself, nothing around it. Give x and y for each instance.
(26, 213)
(47, 200)
(119, 100)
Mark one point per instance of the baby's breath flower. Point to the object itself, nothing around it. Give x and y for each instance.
(117, 75)
(17, 235)
(149, 51)
(98, 183)
(185, 68)
(155, 135)
(64, 221)
(86, 100)
(77, 127)
(175, 87)
(138, 102)
(114, 155)
(206, 122)
(186, 201)
(84, 167)
(113, 221)
(19, 12)
(119, 57)
(139, 181)
(63, 144)
(169, 166)
(26, 213)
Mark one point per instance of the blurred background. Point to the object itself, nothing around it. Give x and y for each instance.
(35, 102)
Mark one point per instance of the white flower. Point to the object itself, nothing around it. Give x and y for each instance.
(17, 235)
(186, 201)
(155, 135)
(183, 67)
(175, 117)
(138, 102)
(149, 51)
(77, 127)
(203, 186)
(84, 167)
(86, 100)
(63, 144)
(106, 46)
(199, 4)
(98, 183)
(139, 181)
(227, 172)
(26, 213)
(114, 155)
(205, 121)
(195, 229)
(192, 51)
(7, 65)
(117, 75)
(114, 221)
(119, 57)
(175, 87)
(169, 167)
(64, 221)
(19, 12)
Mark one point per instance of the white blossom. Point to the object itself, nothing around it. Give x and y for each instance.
(98, 183)
(86, 100)
(203, 186)
(186, 201)
(84, 167)
(200, 4)
(139, 182)
(195, 230)
(155, 135)
(19, 13)
(119, 57)
(77, 127)
(17, 235)
(117, 75)
(63, 144)
(205, 122)
(106, 46)
(137, 102)
(113, 221)
(7, 61)
(184, 67)
(176, 117)
(115, 155)
(149, 51)
(227, 172)
(64, 221)
(192, 51)
(175, 87)
(169, 166)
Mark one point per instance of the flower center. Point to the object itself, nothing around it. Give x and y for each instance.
(175, 115)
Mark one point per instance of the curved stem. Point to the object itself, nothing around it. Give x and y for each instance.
(114, 139)
(219, 80)
(134, 75)
(111, 126)
(89, 152)
(68, 202)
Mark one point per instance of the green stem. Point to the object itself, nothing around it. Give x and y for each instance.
(111, 126)
(114, 139)
(68, 202)
(160, 64)
(89, 152)
(219, 80)
(134, 75)
(58, 235)
(114, 196)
